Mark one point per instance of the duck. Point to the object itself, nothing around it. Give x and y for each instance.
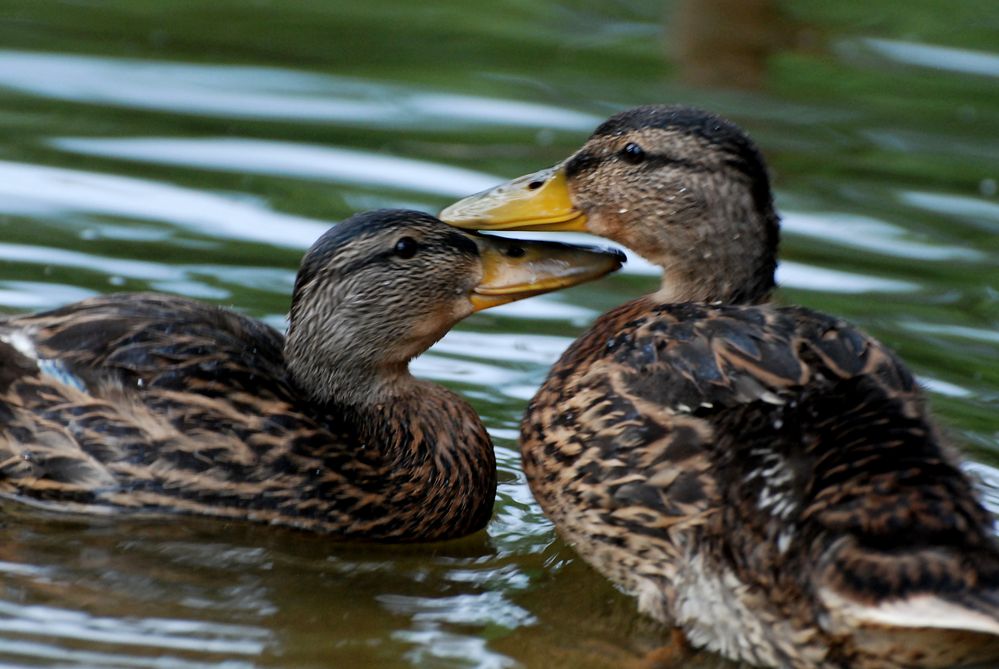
(149, 403)
(765, 479)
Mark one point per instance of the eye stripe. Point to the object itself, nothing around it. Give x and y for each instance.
(581, 162)
(657, 160)
(586, 161)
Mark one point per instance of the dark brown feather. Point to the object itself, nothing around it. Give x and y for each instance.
(176, 406)
(777, 445)
(766, 478)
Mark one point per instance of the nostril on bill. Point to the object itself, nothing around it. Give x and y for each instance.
(535, 185)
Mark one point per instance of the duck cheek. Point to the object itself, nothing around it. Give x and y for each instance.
(435, 322)
(462, 308)
(609, 224)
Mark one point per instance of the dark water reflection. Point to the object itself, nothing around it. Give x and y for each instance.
(199, 148)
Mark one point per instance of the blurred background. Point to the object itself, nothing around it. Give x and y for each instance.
(198, 148)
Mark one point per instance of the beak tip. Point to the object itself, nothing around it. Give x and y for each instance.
(451, 215)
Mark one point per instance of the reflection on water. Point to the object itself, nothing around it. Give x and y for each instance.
(140, 151)
(51, 192)
(263, 93)
(290, 160)
(874, 236)
(150, 632)
(972, 211)
(963, 61)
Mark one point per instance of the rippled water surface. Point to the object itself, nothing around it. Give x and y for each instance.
(198, 148)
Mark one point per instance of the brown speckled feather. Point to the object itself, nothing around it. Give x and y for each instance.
(151, 403)
(766, 478)
(157, 403)
(681, 445)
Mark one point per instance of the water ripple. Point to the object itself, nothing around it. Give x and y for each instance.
(272, 93)
(484, 608)
(38, 295)
(287, 159)
(975, 212)
(459, 650)
(50, 192)
(954, 331)
(964, 61)
(811, 277)
(945, 388)
(190, 635)
(83, 658)
(872, 235)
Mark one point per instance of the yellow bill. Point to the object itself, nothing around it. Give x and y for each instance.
(513, 269)
(539, 201)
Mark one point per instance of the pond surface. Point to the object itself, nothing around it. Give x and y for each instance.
(199, 148)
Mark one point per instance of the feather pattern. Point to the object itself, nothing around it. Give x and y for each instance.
(786, 450)
(186, 407)
(766, 478)
(153, 403)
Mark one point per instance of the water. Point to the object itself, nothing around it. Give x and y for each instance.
(199, 148)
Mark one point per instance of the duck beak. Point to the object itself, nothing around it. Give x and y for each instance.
(513, 269)
(539, 201)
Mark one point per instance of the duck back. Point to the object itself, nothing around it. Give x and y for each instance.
(155, 403)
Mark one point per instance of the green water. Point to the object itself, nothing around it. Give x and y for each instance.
(198, 148)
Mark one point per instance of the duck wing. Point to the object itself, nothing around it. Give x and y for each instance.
(152, 340)
(155, 402)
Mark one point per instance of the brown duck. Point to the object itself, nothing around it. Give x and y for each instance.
(766, 478)
(154, 403)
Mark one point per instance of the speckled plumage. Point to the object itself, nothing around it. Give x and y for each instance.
(153, 403)
(766, 478)
(776, 448)
(185, 407)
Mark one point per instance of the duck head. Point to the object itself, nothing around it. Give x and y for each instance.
(685, 189)
(381, 287)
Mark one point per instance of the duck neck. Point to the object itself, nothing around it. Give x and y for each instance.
(437, 468)
(340, 367)
(349, 383)
(723, 266)
(439, 465)
(725, 285)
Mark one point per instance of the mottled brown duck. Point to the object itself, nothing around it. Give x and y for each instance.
(766, 478)
(154, 403)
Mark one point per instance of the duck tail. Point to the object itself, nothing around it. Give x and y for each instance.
(944, 587)
(976, 612)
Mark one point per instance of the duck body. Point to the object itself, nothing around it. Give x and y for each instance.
(159, 404)
(156, 403)
(766, 478)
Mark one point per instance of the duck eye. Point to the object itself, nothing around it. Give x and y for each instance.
(515, 252)
(405, 248)
(632, 153)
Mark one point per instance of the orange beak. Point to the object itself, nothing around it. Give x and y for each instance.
(513, 269)
(539, 201)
